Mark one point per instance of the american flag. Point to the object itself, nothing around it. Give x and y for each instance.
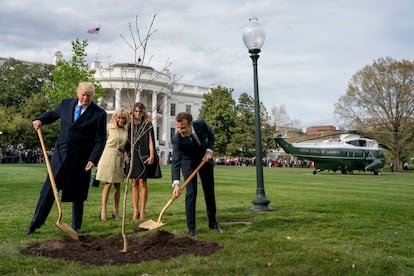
(94, 30)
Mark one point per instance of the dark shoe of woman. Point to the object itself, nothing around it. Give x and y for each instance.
(114, 216)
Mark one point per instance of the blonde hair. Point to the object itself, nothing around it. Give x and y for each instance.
(120, 113)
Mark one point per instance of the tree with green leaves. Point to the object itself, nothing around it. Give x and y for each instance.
(380, 101)
(218, 110)
(242, 143)
(20, 83)
(19, 80)
(68, 74)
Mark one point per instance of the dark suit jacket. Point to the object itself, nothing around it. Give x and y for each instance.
(184, 151)
(77, 143)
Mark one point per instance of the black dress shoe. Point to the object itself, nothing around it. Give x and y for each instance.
(30, 229)
(216, 227)
(191, 232)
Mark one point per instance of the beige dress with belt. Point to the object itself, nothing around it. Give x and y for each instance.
(110, 166)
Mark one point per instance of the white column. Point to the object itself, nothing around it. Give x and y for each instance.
(154, 113)
(117, 98)
(138, 97)
(165, 120)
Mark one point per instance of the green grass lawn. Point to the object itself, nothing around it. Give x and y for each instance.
(325, 224)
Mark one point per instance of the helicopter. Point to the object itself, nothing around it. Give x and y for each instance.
(347, 153)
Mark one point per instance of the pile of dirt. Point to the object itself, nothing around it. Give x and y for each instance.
(107, 250)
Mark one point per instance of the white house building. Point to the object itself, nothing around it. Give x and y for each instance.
(124, 84)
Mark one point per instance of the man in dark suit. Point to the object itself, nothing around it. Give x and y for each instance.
(79, 145)
(193, 142)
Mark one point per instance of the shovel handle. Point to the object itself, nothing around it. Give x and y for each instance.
(51, 176)
(62, 226)
(188, 180)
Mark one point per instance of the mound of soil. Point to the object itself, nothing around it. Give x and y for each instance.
(107, 250)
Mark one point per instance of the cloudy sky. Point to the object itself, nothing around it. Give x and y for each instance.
(311, 51)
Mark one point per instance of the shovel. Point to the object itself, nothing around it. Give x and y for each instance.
(62, 226)
(150, 224)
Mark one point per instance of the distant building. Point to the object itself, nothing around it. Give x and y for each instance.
(321, 130)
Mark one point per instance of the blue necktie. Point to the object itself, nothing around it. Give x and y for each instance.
(77, 113)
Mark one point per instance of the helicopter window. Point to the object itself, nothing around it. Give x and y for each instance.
(358, 143)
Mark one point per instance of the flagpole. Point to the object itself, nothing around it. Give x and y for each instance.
(99, 46)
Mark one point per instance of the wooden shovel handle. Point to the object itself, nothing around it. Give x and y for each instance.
(51, 176)
(188, 180)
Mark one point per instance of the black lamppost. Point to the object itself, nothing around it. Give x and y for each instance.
(253, 37)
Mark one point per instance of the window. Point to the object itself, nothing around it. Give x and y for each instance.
(188, 108)
(358, 143)
(172, 133)
(172, 112)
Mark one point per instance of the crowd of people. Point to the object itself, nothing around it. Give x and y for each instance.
(9, 154)
(278, 163)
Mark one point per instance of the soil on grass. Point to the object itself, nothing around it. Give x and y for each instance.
(107, 250)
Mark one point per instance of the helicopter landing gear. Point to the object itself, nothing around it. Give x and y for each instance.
(316, 171)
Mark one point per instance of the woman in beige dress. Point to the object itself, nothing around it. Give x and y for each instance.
(110, 166)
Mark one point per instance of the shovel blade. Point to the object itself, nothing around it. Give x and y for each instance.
(151, 224)
(65, 228)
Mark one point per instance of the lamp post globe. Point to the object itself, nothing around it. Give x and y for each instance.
(253, 38)
(253, 35)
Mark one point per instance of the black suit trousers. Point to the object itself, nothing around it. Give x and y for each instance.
(45, 204)
(206, 174)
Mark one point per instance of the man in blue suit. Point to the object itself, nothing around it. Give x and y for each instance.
(79, 145)
(193, 142)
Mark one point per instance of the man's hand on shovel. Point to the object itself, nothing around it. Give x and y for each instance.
(176, 191)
